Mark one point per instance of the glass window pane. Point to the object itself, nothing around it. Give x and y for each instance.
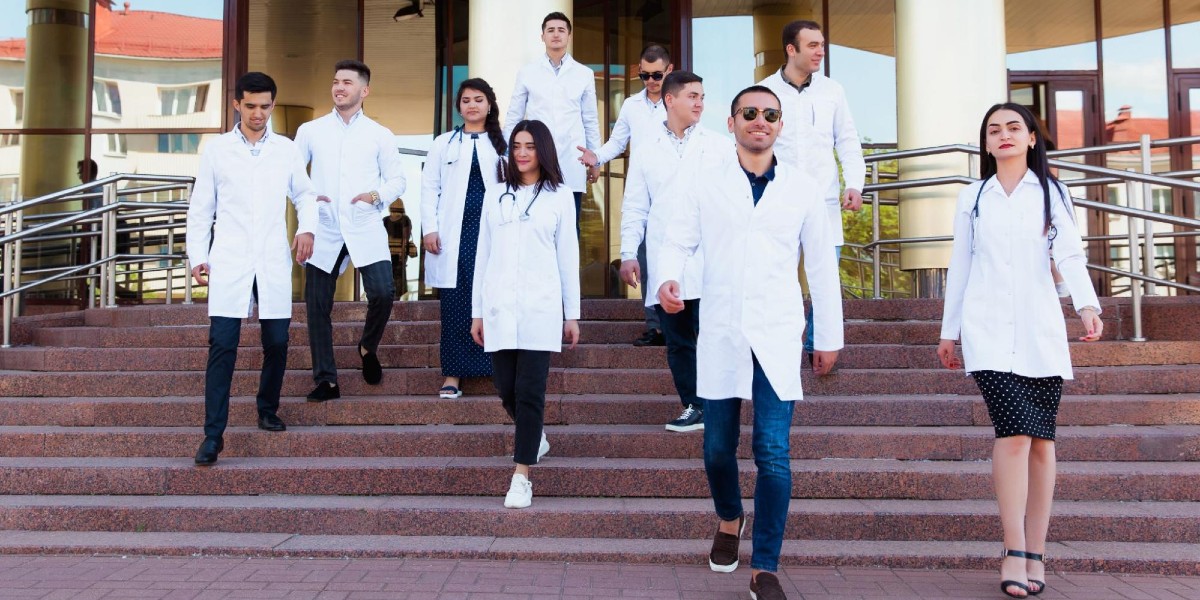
(1051, 36)
(12, 64)
(862, 57)
(723, 54)
(1185, 34)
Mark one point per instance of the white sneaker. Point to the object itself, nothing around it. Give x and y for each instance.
(520, 492)
(544, 447)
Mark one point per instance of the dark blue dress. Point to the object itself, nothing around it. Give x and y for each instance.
(461, 356)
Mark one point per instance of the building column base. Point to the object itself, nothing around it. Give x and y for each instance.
(929, 283)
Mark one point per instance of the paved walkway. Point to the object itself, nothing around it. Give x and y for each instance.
(116, 578)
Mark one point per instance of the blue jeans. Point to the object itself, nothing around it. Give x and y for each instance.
(223, 336)
(680, 330)
(771, 444)
(808, 311)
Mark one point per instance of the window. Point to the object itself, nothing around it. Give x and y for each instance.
(18, 105)
(106, 97)
(10, 139)
(116, 144)
(182, 101)
(178, 143)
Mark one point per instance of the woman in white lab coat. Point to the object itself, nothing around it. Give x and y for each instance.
(526, 290)
(461, 167)
(1001, 300)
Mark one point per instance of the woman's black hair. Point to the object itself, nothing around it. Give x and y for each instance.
(549, 176)
(1035, 158)
(491, 123)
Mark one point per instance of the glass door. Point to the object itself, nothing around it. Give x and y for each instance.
(1187, 158)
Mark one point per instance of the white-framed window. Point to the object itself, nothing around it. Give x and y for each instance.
(178, 143)
(18, 97)
(183, 100)
(10, 139)
(117, 145)
(106, 97)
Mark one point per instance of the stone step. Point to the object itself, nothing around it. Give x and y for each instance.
(896, 411)
(574, 477)
(645, 518)
(1143, 379)
(1162, 443)
(1082, 556)
(590, 356)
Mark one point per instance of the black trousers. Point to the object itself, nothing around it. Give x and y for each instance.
(681, 330)
(223, 336)
(319, 287)
(520, 378)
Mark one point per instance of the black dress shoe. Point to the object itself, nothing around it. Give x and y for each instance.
(372, 370)
(324, 391)
(270, 422)
(652, 337)
(209, 449)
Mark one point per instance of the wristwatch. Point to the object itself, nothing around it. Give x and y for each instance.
(375, 199)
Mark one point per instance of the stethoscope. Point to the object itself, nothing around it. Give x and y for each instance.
(1050, 235)
(524, 216)
(453, 151)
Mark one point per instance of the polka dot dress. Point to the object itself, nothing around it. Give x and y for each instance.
(1020, 405)
(461, 356)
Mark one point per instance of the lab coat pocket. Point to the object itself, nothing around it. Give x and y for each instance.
(364, 214)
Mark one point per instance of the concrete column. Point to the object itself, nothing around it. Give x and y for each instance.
(769, 20)
(504, 37)
(950, 67)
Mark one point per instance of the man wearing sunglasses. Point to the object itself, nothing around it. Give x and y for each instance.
(751, 218)
(640, 118)
(819, 123)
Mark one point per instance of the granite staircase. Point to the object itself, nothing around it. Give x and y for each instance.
(100, 412)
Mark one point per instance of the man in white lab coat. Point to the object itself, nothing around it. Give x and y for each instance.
(640, 118)
(560, 92)
(237, 245)
(673, 154)
(752, 218)
(356, 169)
(819, 123)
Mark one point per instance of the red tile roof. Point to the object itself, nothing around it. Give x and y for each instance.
(145, 34)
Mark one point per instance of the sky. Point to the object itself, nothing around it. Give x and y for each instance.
(13, 19)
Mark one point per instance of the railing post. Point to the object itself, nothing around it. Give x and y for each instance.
(876, 258)
(187, 279)
(1135, 286)
(1148, 225)
(17, 253)
(110, 243)
(170, 250)
(6, 259)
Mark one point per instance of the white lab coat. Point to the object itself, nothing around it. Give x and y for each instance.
(752, 301)
(657, 179)
(348, 160)
(526, 271)
(566, 103)
(444, 193)
(238, 204)
(1001, 298)
(637, 121)
(815, 124)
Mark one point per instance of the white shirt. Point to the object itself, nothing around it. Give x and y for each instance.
(1001, 297)
(526, 269)
(444, 190)
(752, 302)
(565, 100)
(239, 205)
(658, 175)
(815, 124)
(348, 160)
(637, 121)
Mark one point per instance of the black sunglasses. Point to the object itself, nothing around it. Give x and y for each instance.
(750, 113)
(657, 76)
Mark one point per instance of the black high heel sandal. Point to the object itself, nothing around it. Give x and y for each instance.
(1041, 584)
(1007, 583)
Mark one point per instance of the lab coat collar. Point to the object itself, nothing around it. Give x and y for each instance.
(566, 59)
(769, 175)
(993, 182)
(799, 87)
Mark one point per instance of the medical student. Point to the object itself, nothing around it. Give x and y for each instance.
(461, 167)
(1001, 301)
(751, 217)
(819, 124)
(639, 120)
(560, 92)
(526, 289)
(237, 245)
(676, 150)
(357, 171)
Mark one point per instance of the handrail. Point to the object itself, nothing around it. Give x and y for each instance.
(1124, 146)
(70, 193)
(92, 212)
(67, 271)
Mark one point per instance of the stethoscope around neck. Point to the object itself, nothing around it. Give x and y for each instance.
(524, 215)
(453, 151)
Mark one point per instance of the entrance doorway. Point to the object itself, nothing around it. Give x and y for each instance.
(1187, 158)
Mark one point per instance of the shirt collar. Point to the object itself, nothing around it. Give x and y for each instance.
(237, 128)
(769, 175)
(799, 87)
(352, 118)
(566, 57)
(687, 133)
(1029, 178)
(650, 103)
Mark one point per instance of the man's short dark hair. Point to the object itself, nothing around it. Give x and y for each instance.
(354, 65)
(750, 90)
(676, 80)
(792, 30)
(655, 53)
(88, 168)
(556, 16)
(254, 82)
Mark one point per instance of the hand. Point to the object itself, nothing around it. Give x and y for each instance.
(323, 199)
(587, 158)
(823, 361)
(945, 352)
(852, 199)
(363, 197)
(432, 243)
(593, 174)
(668, 297)
(200, 274)
(477, 331)
(302, 244)
(571, 332)
(1092, 324)
(631, 273)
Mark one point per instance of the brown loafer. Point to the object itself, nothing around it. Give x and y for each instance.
(724, 555)
(766, 587)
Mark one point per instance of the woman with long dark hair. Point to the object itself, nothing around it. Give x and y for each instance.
(1001, 300)
(461, 166)
(526, 291)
